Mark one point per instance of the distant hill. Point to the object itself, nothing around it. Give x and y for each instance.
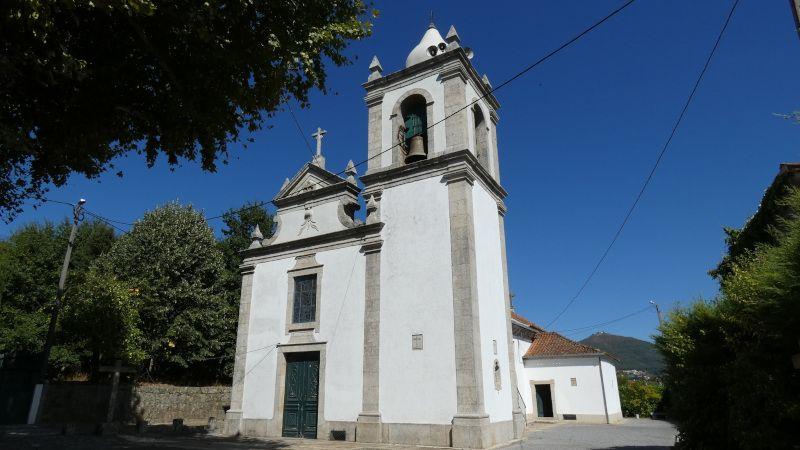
(634, 353)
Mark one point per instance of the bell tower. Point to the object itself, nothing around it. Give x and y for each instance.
(438, 360)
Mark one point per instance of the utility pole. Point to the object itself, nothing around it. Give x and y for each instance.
(658, 311)
(77, 216)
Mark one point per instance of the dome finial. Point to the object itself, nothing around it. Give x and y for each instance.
(429, 46)
(430, 23)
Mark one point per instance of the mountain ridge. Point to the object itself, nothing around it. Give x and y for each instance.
(634, 354)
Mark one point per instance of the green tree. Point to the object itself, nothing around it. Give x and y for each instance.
(638, 396)
(101, 320)
(83, 82)
(30, 264)
(729, 369)
(172, 260)
(239, 223)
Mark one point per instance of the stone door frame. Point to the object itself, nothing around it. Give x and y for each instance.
(536, 417)
(323, 428)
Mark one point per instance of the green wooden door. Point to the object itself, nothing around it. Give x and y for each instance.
(301, 399)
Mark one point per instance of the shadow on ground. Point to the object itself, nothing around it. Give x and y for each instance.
(25, 437)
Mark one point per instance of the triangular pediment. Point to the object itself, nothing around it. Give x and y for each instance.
(309, 178)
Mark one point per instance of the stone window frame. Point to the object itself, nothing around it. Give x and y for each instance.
(489, 162)
(306, 265)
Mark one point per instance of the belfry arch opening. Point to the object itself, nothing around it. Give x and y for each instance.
(413, 132)
(481, 136)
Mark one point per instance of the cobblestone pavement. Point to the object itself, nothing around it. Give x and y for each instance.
(631, 434)
(640, 434)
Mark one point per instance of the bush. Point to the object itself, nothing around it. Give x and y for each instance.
(729, 369)
(638, 397)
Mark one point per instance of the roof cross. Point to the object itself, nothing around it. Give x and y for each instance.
(318, 136)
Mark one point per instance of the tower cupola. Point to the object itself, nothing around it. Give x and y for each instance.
(429, 46)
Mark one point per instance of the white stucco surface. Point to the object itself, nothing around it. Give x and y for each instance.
(585, 398)
(612, 388)
(434, 86)
(341, 306)
(416, 386)
(520, 347)
(325, 218)
(491, 304)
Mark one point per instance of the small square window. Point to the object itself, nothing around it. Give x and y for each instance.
(573, 381)
(416, 342)
(305, 299)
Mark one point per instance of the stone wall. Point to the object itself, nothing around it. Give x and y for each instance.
(157, 404)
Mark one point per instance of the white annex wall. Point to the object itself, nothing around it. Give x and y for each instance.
(435, 87)
(416, 297)
(612, 388)
(491, 304)
(341, 306)
(585, 398)
(520, 347)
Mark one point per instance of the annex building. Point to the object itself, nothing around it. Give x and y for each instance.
(397, 328)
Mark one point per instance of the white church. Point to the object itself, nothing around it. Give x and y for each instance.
(398, 328)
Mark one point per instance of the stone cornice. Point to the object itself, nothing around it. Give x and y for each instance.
(372, 246)
(349, 236)
(318, 195)
(461, 163)
(455, 57)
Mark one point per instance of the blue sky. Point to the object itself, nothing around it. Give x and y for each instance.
(577, 136)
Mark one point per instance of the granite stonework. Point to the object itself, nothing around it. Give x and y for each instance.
(156, 404)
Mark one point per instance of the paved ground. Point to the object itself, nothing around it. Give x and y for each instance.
(643, 434)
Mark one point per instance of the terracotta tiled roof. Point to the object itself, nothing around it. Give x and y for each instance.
(525, 321)
(548, 343)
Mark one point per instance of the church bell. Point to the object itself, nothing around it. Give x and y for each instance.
(416, 149)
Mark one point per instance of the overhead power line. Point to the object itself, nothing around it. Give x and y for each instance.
(490, 91)
(108, 222)
(608, 322)
(653, 169)
(300, 130)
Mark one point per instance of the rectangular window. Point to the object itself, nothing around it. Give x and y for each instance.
(305, 299)
(573, 381)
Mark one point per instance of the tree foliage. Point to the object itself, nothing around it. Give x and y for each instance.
(638, 396)
(761, 229)
(729, 361)
(166, 294)
(30, 264)
(239, 223)
(101, 320)
(82, 82)
(171, 259)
